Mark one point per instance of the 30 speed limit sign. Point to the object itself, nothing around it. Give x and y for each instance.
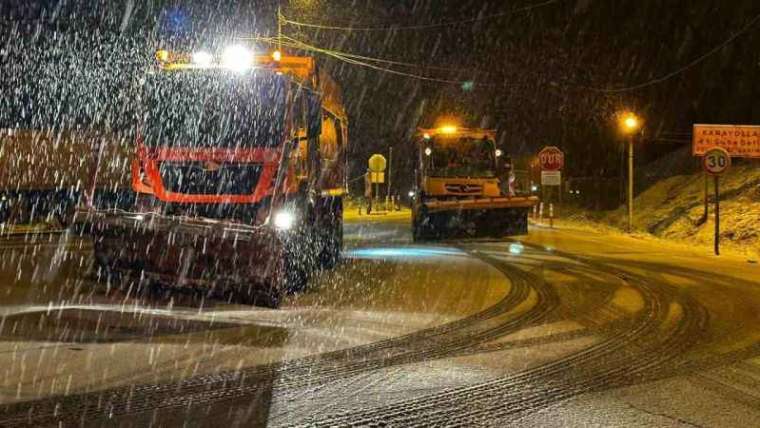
(716, 161)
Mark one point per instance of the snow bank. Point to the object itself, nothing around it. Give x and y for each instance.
(673, 208)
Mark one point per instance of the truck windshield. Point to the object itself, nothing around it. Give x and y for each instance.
(213, 109)
(461, 157)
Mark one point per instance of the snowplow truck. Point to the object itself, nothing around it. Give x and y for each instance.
(237, 174)
(463, 187)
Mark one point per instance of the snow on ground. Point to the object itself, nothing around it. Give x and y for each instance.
(673, 209)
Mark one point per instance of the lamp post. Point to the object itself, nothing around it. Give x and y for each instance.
(630, 124)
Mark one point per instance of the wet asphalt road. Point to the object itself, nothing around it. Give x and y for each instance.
(557, 328)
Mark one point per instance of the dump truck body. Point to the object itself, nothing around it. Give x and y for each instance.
(44, 172)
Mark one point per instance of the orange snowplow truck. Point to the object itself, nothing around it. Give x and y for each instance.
(238, 177)
(463, 185)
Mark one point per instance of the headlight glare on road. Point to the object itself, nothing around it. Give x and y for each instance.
(284, 220)
(516, 248)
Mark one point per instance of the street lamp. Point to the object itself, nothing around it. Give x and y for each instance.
(630, 124)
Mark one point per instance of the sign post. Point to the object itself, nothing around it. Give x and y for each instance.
(552, 160)
(715, 162)
(717, 144)
(376, 166)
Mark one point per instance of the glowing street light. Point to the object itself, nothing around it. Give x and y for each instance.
(448, 129)
(629, 125)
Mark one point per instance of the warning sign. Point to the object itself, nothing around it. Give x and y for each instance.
(551, 178)
(738, 140)
(377, 177)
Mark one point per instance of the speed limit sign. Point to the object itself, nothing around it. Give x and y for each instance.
(716, 161)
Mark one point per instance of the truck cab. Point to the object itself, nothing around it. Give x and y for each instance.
(237, 177)
(463, 184)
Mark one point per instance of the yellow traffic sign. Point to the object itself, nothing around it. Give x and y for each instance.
(377, 177)
(377, 163)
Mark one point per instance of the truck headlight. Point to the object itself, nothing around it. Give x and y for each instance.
(202, 59)
(237, 58)
(284, 220)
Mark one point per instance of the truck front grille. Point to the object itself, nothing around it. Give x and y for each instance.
(464, 189)
(208, 178)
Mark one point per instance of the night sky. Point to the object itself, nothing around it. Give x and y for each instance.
(541, 72)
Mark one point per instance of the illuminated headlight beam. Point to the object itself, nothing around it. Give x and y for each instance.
(284, 220)
(202, 58)
(237, 58)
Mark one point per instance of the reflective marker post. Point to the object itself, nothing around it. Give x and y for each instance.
(551, 215)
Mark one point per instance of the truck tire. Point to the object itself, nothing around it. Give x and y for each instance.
(420, 231)
(270, 298)
(300, 259)
(416, 234)
(332, 237)
(64, 214)
(103, 263)
(5, 209)
(296, 274)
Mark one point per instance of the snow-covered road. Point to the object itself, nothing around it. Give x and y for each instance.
(561, 327)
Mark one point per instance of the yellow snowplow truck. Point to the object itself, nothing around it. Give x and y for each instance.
(463, 186)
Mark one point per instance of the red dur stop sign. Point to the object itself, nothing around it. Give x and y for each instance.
(551, 159)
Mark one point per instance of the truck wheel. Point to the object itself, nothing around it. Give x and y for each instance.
(296, 277)
(332, 239)
(298, 265)
(420, 225)
(100, 255)
(64, 214)
(5, 209)
(419, 231)
(103, 266)
(264, 297)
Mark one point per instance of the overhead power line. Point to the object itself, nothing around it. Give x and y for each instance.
(421, 26)
(362, 60)
(368, 61)
(680, 70)
(274, 40)
(337, 55)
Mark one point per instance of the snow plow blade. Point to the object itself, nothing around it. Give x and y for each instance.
(492, 217)
(207, 255)
(481, 204)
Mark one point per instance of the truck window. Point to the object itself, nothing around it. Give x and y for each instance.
(461, 157)
(213, 109)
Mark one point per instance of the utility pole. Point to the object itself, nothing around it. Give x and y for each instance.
(707, 196)
(630, 183)
(279, 28)
(390, 170)
(717, 217)
(630, 124)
